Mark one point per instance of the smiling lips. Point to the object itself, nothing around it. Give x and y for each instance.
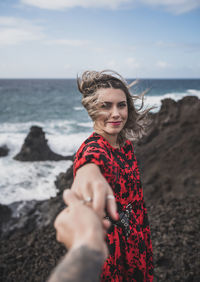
(115, 123)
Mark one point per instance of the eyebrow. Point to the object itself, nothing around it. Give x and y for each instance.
(108, 102)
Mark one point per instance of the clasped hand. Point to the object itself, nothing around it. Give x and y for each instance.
(78, 225)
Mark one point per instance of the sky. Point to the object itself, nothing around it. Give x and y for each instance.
(137, 38)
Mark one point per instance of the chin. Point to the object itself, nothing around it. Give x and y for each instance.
(114, 131)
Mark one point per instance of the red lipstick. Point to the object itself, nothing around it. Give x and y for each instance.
(115, 123)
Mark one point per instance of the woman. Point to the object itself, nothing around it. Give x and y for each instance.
(106, 174)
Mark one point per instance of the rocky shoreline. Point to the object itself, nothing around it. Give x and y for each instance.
(169, 160)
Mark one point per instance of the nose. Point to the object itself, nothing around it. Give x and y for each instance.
(115, 112)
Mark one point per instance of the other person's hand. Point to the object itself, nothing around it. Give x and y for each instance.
(79, 225)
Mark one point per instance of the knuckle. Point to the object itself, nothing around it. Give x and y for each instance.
(99, 211)
(109, 189)
(99, 185)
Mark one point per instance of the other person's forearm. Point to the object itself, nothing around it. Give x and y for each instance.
(81, 264)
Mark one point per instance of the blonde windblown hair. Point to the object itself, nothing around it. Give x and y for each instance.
(91, 81)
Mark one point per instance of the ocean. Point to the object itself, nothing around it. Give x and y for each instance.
(55, 105)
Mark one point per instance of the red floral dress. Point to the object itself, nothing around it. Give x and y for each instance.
(129, 242)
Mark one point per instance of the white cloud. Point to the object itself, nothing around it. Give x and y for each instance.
(174, 6)
(68, 42)
(162, 65)
(63, 4)
(15, 31)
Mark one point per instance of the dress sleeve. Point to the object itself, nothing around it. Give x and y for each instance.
(91, 154)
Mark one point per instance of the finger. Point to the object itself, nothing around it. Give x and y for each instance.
(76, 189)
(58, 220)
(87, 194)
(111, 205)
(106, 224)
(99, 199)
(83, 192)
(70, 198)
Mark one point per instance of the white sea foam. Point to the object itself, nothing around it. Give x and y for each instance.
(156, 101)
(48, 125)
(194, 92)
(78, 108)
(28, 181)
(86, 124)
(13, 141)
(67, 144)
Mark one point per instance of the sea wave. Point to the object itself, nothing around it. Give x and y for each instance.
(194, 92)
(29, 181)
(156, 101)
(67, 144)
(49, 125)
(86, 124)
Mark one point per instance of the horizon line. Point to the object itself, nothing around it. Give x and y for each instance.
(74, 78)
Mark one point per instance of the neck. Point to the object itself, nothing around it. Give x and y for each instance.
(112, 139)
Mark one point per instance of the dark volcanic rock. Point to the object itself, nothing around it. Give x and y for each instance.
(64, 180)
(169, 155)
(4, 151)
(5, 215)
(28, 216)
(175, 229)
(35, 148)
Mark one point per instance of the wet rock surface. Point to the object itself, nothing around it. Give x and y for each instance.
(169, 164)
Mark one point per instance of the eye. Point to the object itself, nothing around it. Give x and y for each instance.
(105, 105)
(122, 105)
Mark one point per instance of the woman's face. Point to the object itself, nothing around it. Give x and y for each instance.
(113, 104)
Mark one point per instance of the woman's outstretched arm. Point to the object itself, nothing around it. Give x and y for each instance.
(90, 183)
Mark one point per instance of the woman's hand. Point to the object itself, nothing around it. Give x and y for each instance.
(88, 184)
